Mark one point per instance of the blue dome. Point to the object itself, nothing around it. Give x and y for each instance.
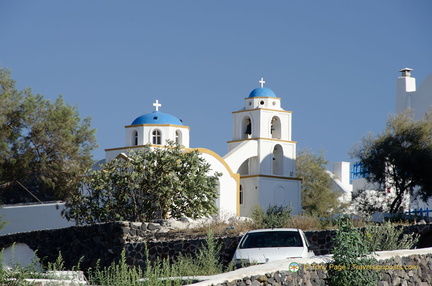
(262, 92)
(157, 117)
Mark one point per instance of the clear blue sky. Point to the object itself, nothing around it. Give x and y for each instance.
(333, 63)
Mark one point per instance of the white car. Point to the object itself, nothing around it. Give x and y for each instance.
(264, 245)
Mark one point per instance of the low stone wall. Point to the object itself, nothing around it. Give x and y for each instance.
(161, 244)
(102, 242)
(106, 241)
(84, 245)
(135, 252)
(324, 240)
(414, 269)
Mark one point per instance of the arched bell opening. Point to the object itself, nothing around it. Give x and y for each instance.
(278, 160)
(246, 127)
(275, 127)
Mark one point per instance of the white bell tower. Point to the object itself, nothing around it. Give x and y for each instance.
(263, 153)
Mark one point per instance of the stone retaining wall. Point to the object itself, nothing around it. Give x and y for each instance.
(410, 270)
(101, 241)
(106, 241)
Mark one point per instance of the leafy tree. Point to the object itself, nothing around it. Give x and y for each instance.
(44, 146)
(149, 183)
(317, 196)
(400, 158)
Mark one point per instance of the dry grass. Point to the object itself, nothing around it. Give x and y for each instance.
(236, 226)
(305, 223)
(359, 223)
(222, 227)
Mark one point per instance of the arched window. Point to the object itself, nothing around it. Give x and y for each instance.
(157, 137)
(278, 160)
(275, 127)
(178, 137)
(135, 138)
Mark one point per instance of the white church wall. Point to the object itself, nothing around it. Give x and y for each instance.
(250, 195)
(229, 184)
(23, 218)
(290, 159)
(263, 102)
(242, 151)
(280, 192)
(145, 134)
(265, 157)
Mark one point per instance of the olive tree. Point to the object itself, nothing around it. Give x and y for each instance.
(400, 158)
(146, 184)
(45, 147)
(316, 189)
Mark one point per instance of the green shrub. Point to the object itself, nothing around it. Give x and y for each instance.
(273, 217)
(116, 274)
(206, 262)
(58, 265)
(16, 274)
(159, 273)
(350, 254)
(388, 237)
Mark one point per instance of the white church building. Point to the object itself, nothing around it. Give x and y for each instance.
(260, 167)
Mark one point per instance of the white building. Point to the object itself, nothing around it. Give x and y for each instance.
(341, 181)
(408, 96)
(260, 166)
(419, 100)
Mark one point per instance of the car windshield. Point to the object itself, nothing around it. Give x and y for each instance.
(272, 239)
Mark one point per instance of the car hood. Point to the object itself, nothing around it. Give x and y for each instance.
(263, 255)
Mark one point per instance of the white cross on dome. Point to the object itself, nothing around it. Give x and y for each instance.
(262, 82)
(157, 105)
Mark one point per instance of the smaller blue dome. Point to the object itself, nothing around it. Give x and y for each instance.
(262, 92)
(157, 117)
